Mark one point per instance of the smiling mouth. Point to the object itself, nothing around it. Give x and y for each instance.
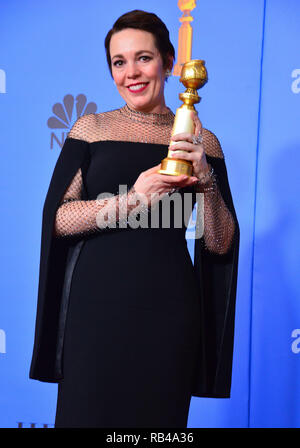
(138, 87)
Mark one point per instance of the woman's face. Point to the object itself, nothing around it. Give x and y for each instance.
(137, 69)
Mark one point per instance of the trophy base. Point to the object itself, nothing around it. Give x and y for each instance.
(176, 167)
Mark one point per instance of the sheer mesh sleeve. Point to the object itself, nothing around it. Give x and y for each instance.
(85, 128)
(219, 224)
(75, 216)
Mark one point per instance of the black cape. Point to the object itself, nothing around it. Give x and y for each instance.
(216, 276)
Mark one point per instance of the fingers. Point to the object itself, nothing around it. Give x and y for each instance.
(198, 125)
(183, 145)
(188, 136)
(190, 156)
(183, 136)
(177, 181)
(170, 180)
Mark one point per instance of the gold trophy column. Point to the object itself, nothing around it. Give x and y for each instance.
(193, 77)
(185, 34)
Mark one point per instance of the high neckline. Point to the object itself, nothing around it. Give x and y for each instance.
(148, 117)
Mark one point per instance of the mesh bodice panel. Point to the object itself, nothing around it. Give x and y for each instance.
(76, 216)
(124, 125)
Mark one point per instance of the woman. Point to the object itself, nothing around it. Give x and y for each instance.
(126, 324)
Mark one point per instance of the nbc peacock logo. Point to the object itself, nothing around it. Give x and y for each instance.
(65, 114)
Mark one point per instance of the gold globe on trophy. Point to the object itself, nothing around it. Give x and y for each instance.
(193, 77)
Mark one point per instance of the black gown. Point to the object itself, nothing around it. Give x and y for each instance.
(126, 323)
(132, 326)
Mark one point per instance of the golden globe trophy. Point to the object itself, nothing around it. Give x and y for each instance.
(193, 77)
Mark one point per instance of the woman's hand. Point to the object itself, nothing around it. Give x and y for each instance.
(152, 185)
(187, 150)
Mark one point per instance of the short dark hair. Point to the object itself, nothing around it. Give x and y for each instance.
(145, 21)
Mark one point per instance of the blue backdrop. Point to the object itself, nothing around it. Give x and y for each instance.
(51, 49)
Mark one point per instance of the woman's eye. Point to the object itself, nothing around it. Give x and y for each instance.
(145, 58)
(118, 63)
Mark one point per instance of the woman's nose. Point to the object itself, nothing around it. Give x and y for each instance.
(133, 70)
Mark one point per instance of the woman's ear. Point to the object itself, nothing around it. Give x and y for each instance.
(170, 63)
(169, 66)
